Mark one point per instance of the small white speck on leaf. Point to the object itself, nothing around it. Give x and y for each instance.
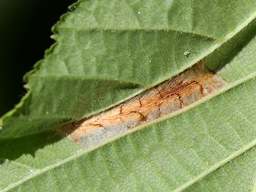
(186, 53)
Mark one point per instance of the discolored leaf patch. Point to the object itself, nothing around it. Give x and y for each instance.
(165, 98)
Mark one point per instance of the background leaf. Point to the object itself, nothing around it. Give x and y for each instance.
(204, 147)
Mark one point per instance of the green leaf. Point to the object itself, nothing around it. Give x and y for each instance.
(109, 51)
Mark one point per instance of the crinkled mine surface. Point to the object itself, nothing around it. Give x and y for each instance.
(165, 98)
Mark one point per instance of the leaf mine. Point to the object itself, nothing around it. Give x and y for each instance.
(162, 99)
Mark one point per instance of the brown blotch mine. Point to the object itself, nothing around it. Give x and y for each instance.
(165, 98)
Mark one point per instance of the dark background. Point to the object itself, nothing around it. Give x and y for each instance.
(25, 29)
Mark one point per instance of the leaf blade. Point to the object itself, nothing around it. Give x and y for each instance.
(164, 154)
